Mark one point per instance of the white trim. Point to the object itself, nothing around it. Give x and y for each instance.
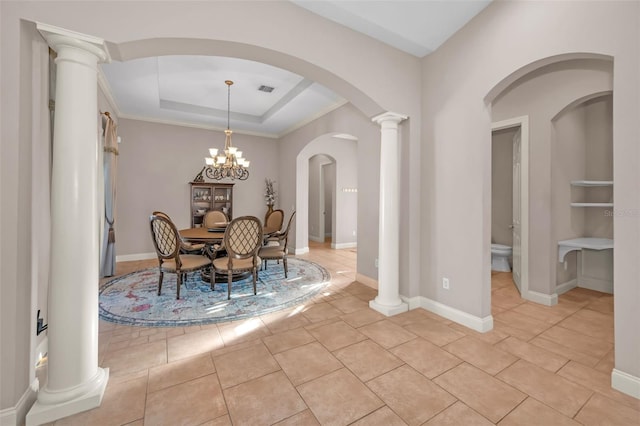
(625, 383)
(387, 310)
(591, 283)
(344, 245)
(523, 123)
(235, 130)
(471, 321)
(41, 413)
(565, 287)
(314, 117)
(369, 282)
(413, 302)
(316, 238)
(303, 250)
(541, 298)
(135, 256)
(104, 85)
(14, 416)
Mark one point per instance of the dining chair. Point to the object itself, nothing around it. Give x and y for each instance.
(167, 243)
(277, 251)
(273, 222)
(185, 246)
(242, 240)
(214, 219)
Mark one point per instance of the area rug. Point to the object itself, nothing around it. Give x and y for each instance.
(133, 299)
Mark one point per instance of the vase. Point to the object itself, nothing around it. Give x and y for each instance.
(269, 211)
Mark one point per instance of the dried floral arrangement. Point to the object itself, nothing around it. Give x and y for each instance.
(270, 193)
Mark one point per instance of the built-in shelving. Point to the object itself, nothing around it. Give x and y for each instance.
(591, 204)
(592, 184)
(590, 243)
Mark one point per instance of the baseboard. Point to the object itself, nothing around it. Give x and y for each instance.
(471, 321)
(541, 298)
(316, 239)
(565, 287)
(625, 383)
(15, 416)
(604, 286)
(302, 250)
(344, 245)
(413, 302)
(135, 256)
(369, 282)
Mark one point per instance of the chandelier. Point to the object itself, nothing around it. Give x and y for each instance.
(229, 163)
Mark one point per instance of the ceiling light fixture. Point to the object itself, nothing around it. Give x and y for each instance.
(229, 164)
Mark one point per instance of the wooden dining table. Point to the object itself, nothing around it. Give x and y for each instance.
(202, 235)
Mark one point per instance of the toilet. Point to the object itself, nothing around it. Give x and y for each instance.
(500, 257)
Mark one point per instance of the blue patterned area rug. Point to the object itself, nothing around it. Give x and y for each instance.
(133, 299)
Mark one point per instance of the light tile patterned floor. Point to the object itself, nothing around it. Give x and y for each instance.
(334, 361)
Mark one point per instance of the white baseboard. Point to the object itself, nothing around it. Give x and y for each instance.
(473, 322)
(565, 287)
(541, 298)
(369, 282)
(604, 286)
(344, 245)
(302, 250)
(136, 256)
(625, 383)
(15, 416)
(316, 239)
(413, 302)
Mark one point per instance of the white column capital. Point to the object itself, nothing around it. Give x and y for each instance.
(389, 117)
(59, 38)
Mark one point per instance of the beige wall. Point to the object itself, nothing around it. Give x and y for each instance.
(442, 209)
(542, 95)
(262, 31)
(156, 164)
(502, 186)
(582, 147)
(460, 81)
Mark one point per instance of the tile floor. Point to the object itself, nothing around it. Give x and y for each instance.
(334, 361)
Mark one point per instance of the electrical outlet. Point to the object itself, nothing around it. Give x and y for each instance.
(445, 283)
(376, 262)
(354, 233)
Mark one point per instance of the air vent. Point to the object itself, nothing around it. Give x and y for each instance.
(266, 89)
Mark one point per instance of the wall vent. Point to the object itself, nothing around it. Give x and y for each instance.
(266, 89)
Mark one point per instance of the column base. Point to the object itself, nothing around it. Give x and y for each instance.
(46, 413)
(389, 310)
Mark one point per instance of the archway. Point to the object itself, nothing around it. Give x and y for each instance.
(523, 94)
(343, 152)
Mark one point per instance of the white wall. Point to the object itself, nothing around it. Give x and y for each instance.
(460, 81)
(156, 164)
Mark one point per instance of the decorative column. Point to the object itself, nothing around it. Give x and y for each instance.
(75, 383)
(388, 301)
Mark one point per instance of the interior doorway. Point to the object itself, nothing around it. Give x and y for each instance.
(322, 189)
(514, 228)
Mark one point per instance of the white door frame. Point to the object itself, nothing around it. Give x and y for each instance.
(321, 207)
(523, 123)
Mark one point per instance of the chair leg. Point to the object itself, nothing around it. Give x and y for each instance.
(229, 285)
(178, 284)
(160, 282)
(255, 276)
(284, 261)
(212, 278)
